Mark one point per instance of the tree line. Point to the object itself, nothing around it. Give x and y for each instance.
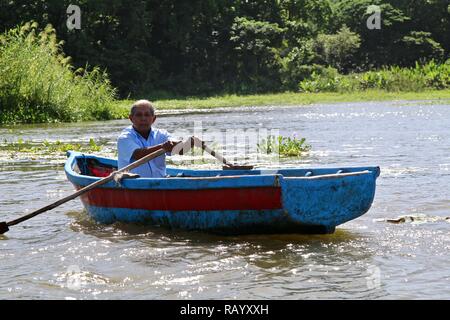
(203, 47)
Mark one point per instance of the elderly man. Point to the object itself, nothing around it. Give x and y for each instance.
(140, 139)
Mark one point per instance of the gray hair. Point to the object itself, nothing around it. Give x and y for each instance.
(141, 103)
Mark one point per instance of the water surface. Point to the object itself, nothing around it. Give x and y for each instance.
(63, 254)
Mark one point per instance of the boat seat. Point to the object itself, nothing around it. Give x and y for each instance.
(94, 168)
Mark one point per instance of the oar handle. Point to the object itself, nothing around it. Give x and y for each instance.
(4, 225)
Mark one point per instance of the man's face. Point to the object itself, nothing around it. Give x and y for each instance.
(142, 118)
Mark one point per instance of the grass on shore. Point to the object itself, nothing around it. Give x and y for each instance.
(122, 107)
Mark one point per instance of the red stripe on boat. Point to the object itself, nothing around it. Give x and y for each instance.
(263, 198)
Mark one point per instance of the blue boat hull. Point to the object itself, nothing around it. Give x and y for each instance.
(232, 202)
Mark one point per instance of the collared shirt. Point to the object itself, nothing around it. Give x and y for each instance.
(130, 140)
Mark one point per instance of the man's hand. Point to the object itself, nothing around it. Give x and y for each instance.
(168, 145)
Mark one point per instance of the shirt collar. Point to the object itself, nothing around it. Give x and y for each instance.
(151, 135)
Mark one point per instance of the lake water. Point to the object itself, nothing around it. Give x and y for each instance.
(63, 254)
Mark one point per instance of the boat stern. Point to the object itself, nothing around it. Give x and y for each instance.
(329, 200)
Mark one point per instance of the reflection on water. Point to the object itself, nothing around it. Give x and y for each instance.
(181, 261)
(83, 223)
(64, 254)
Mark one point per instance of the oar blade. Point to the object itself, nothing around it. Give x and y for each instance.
(3, 227)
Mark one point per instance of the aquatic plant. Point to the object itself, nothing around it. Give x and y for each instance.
(284, 146)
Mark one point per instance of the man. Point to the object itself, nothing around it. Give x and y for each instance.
(140, 139)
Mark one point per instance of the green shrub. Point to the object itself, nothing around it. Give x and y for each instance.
(419, 78)
(38, 84)
(338, 50)
(393, 79)
(436, 76)
(295, 70)
(327, 80)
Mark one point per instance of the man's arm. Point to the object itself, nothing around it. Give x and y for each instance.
(140, 153)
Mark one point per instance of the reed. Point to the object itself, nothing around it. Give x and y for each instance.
(38, 84)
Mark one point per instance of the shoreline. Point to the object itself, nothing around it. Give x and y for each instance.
(120, 108)
(285, 99)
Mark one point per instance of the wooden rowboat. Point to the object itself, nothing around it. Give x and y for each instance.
(230, 201)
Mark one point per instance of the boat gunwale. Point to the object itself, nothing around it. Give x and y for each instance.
(331, 176)
(254, 180)
(180, 183)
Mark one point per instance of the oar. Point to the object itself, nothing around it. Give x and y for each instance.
(227, 165)
(4, 226)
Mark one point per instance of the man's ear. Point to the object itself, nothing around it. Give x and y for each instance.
(154, 118)
(129, 117)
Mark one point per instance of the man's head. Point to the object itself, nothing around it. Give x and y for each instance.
(142, 115)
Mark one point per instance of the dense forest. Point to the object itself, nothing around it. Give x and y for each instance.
(203, 47)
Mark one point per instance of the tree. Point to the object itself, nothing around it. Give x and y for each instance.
(421, 47)
(338, 50)
(317, 13)
(192, 47)
(256, 46)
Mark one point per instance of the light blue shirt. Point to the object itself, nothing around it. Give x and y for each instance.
(130, 140)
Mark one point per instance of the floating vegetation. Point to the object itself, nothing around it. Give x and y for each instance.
(284, 146)
(415, 219)
(47, 147)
